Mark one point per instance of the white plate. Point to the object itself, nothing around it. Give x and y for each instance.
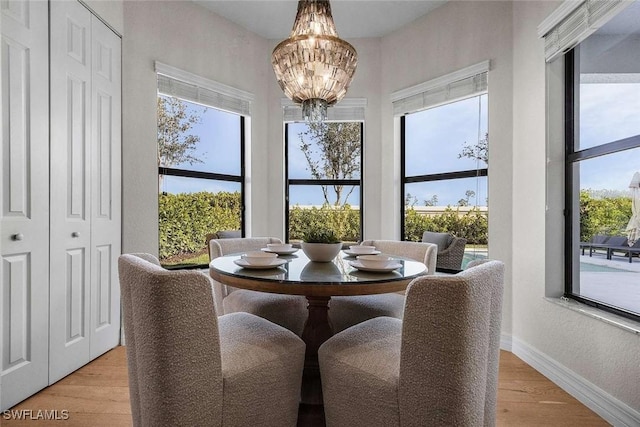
(351, 253)
(282, 252)
(275, 263)
(390, 267)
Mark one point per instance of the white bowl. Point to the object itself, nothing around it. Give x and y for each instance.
(321, 252)
(279, 246)
(259, 257)
(374, 261)
(362, 249)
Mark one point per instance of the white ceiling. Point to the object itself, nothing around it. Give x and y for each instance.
(273, 19)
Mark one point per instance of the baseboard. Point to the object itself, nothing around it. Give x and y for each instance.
(599, 401)
(505, 343)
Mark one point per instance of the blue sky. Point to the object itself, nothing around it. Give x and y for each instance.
(298, 169)
(609, 112)
(435, 138)
(218, 150)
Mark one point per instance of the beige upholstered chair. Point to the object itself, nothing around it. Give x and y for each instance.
(494, 352)
(289, 311)
(436, 367)
(348, 311)
(188, 367)
(223, 234)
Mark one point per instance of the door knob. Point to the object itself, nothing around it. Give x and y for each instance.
(17, 236)
(75, 234)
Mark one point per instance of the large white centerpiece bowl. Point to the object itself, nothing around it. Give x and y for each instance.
(321, 252)
(321, 244)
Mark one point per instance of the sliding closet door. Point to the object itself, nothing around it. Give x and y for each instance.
(24, 199)
(105, 188)
(70, 188)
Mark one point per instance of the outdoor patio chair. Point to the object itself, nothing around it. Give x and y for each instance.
(346, 311)
(596, 241)
(189, 367)
(289, 311)
(437, 366)
(625, 250)
(612, 242)
(450, 249)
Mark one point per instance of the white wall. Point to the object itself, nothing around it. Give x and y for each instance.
(450, 38)
(454, 36)
(187, 36)
(607, 356)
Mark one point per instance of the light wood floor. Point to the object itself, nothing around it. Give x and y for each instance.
(97, 395)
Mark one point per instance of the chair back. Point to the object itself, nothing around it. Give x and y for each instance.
(172, 343)
(450, 250)
(450, 343)
(223, 234)
(426, 253)
(617, 241)
(220, 247)
(600, 238)
(443, 240)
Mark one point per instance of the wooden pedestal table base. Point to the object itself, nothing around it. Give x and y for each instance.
(317, 330)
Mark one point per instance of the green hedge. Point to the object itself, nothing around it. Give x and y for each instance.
(473, 225)
(606, 215)
(344, 221)
(186, 219)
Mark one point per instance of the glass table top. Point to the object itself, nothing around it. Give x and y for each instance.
(298, 269)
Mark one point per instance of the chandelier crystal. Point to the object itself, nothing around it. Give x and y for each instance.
(314, 67)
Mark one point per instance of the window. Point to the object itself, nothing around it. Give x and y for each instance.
(323, 176)
(200, 166)
(602, 140)
(444, 142)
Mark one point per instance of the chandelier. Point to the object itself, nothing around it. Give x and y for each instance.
(314, 67)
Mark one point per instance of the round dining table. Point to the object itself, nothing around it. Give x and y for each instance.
(318, 282)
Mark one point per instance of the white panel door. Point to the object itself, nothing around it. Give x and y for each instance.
(105, 188)
(24, 199)
(70, 258)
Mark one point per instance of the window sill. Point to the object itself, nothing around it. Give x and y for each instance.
(610, 318)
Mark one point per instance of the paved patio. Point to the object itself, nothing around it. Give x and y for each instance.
(614, 281)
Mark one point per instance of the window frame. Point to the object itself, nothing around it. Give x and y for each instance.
(288, 182)
(214, 176)
(175, 82)
(572, 156)
(442, 176)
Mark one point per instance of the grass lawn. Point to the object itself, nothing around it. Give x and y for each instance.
(191, 260)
